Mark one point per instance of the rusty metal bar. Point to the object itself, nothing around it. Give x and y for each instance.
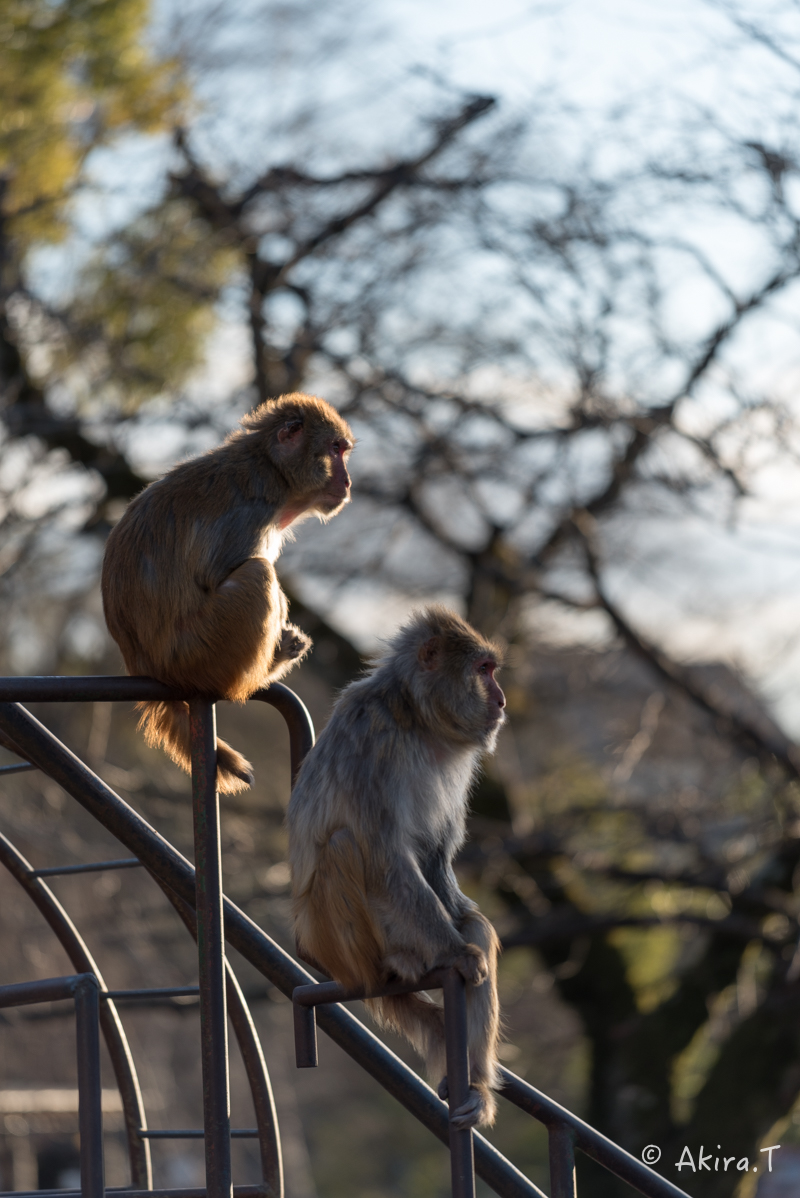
(113, 1033)
(121, 1192)
(154, 993)
(84, 991)
(196, 1133)
(176, 874)
(263, 1102)
(54, 871)
(462, 1168)
(23, 994)
(211, 949)
(100, 688)
(255, 1066)
(306, 998)
(306, 1054)
(561, 1145)
(587, 1139)
(23, 768)
(85, 688)
(298, 721)
(90, 1110)
(327, 992)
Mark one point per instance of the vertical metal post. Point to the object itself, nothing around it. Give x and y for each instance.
(305, 1037)
(561, 1143)
(211, 950)
(90, 1095)
(462, 1168)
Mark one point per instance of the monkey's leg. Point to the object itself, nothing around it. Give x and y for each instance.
(418, 930)
(227, 646)
(333, 918)
(483, 1029)
(224, 648)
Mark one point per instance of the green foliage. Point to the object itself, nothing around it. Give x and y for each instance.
(145, 305)
(73, 73)
(651, 956)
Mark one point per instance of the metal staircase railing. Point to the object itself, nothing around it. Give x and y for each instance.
(212, 919)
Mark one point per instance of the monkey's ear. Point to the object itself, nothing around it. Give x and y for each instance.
(290, 434)
(429, 654)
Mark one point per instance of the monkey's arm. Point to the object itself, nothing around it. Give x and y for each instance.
(419, 931)
(438, 873)
(230, 540)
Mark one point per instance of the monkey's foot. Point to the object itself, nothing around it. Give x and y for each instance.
(479, 1107)
(234, 772)
(472, 964)
(293, 644)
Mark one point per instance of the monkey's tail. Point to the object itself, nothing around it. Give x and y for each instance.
(167, 724)
(420, 1020)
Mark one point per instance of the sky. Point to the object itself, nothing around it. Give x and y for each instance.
(730, 592)
(733, 592)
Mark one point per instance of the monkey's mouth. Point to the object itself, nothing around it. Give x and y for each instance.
(335, 498)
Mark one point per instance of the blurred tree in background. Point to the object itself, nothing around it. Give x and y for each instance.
(569, 350)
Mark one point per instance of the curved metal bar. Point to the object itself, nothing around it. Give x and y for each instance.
(255, 1066)
(144, 842)
(113, 1032)
(297, 717)
(100, 688)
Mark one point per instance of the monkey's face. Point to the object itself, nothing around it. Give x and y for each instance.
(314, 458)
(458, 693)
(335, 492)
(494, 700)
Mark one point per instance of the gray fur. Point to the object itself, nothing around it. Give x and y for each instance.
(386, 790)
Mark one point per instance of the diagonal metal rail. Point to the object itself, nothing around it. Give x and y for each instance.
(176, 876)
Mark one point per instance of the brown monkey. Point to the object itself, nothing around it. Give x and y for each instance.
(190, 591)
(375, 819)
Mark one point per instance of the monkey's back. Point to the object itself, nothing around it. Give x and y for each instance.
(175, 544)
(374, 777)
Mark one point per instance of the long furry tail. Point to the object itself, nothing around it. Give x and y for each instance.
(167, 724)
(420, 1020)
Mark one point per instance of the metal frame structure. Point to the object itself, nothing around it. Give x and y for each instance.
(209, 916)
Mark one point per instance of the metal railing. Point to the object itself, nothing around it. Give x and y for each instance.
(213, 919)
(83, 989)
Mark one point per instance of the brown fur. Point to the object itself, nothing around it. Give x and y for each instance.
(190, 590)
(375, 820)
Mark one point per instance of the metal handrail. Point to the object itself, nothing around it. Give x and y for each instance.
(176, 877)
(306, 999)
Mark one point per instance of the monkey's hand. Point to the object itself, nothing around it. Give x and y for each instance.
(293, 644)
(472, 964)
